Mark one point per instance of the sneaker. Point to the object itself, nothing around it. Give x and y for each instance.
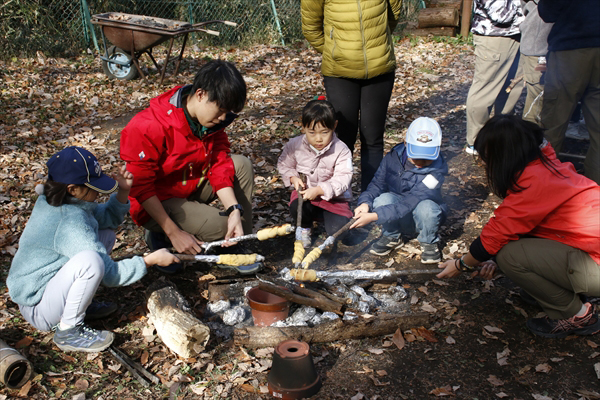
(82, 338)
(588, 324)
(385, 245)
(430, 253)
(471, 150)
(306, 240)
(100, 309)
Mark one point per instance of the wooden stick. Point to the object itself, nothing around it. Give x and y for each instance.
(379, 325)
(321, 303)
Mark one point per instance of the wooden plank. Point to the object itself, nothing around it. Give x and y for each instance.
(465, 21)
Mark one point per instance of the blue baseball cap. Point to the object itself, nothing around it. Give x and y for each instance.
(76, 165)
(423, 139)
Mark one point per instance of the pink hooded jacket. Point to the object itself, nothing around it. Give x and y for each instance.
(330, 168)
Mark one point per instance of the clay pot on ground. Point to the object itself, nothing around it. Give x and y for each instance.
(293, 374)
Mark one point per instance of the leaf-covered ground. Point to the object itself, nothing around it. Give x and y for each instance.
(476, 345)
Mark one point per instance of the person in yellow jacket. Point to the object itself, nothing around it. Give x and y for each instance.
(355, 39)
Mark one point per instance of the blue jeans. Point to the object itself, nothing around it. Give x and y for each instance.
(425, 219)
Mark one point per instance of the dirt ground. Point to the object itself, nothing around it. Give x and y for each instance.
(476, 344)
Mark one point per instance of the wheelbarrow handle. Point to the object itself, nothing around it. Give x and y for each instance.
(216, 21)
(209, 31)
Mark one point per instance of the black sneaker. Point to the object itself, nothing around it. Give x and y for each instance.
(430, 253)
(588, 324)
(100, 309)
(82, 338)
(385, 245)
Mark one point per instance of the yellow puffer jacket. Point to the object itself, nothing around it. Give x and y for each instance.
(354, 36)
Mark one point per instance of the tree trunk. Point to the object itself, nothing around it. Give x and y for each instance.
(431, 17)
(441, 31)
(179, 330)
(444, 3)
(465, 22)
(385, 324)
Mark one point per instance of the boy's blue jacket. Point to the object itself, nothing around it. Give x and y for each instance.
(413, 184)
(55, 234)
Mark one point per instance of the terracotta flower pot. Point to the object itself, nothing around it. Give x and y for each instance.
(293, 374)
(267, 308)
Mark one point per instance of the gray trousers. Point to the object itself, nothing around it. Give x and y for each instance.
(552, 273)
(535, 89)
(574, 75)
(70, 292)
(496, 63)
(194, 214)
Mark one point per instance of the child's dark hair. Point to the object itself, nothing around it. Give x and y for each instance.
(318, 112)
(506, 144)
(223, 83)
(57, 194)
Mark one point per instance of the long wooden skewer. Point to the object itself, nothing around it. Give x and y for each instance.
(316, 252)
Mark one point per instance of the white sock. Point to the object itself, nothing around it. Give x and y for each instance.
(62, 326)
(582, 312)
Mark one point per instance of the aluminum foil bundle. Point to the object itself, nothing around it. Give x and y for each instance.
(219, 306)
(316, 320)
(303, 314)
(234, 316)
(328, 315)
(349, 315)
(364, 307)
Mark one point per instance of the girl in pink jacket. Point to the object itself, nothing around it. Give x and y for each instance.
(326, 162)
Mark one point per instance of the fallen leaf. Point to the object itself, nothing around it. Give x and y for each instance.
(450, 340)
(375, 351)
(398, 339)
(545, 368)
(248, 388)
(381, 372)
(377, 382)
(426, 334)
(358, 396)
(501, 395)
(26, 341)
(442, 391)
(144, 358)
(81, 384)
(440, 283)
(541, 397)
(591, 344)
(428, 308)
(25, 389)
(494, 380)
(423, 289)
(589, 394)
(493, 329)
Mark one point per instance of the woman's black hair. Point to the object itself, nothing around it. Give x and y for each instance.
(318, 112)
(57, 194)
(506, 144)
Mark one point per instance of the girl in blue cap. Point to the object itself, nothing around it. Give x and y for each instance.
(64, 251)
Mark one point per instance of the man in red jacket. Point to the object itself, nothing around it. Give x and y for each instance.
(179, 154)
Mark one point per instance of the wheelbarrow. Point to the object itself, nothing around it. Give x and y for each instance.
(133, 35)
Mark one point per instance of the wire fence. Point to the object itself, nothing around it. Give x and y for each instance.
(62, 27)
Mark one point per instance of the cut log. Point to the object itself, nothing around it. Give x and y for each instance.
(444, 3)
(432, 17)
(170, 313)
(315, 300)
(441, 31)
(465, 19)
(385, 324)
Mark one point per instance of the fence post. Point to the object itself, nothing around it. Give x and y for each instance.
(87, 25)
(277, 22)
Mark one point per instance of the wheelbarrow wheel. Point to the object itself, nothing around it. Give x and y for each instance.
(118, 71)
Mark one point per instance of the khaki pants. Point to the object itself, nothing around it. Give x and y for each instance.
(535, 89)
(552, 273)
(496, 63)
(196, 216)
(574, 75)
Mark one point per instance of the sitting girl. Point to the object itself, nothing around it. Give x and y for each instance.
(326, 162)
(545, 234)
(64, 250)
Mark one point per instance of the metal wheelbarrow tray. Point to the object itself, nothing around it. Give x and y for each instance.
(132, 35)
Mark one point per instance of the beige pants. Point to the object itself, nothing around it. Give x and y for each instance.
(552, 273)
(574, 75)
(535, 89)
(496, 63)
(196, 216)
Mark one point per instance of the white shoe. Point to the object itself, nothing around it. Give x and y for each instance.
(471, 150)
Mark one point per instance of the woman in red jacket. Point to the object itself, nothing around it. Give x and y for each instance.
(545, 235)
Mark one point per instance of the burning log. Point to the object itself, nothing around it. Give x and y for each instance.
(303, 296)
(179, 330)
(329, 331)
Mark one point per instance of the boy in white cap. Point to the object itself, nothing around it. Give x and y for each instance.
(405, 195)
